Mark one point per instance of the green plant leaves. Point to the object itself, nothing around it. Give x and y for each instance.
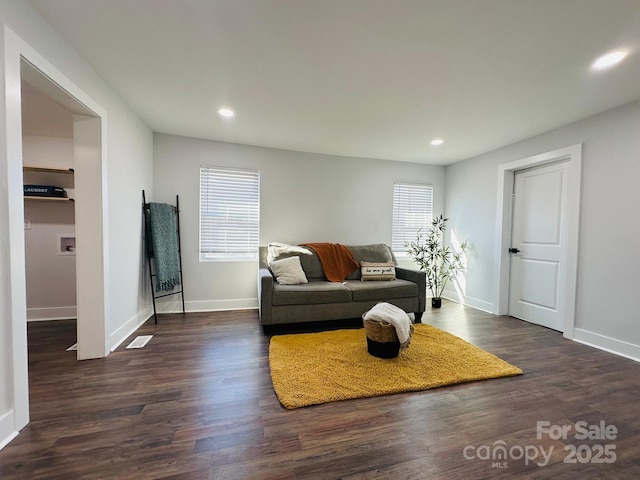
(438, 261)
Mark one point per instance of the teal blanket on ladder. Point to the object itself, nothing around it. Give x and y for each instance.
(164, 240)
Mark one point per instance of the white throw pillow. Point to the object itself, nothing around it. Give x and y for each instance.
(288, 271)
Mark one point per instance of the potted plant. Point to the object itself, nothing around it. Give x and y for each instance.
(438, 261)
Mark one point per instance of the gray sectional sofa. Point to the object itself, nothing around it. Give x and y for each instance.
(320, 299)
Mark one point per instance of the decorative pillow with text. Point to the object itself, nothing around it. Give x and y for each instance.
(378, 271)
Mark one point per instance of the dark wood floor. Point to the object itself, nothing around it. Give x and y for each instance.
(197, 403)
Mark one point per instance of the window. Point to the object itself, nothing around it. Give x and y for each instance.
(412, 211)
(229, 214)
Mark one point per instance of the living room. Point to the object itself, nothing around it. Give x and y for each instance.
(311, 197)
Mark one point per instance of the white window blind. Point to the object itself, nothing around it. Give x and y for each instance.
(229, 214)
(412, 211)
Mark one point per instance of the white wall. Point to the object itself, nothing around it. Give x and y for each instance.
(48, 152)
(51, 276)
(130, 170)
(304, 197)
(606, 310)
(128, 159)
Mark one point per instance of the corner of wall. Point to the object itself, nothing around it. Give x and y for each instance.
(452, 294)
(7, 428)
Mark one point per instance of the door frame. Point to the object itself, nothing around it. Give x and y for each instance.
(573, 156)
(14, 51)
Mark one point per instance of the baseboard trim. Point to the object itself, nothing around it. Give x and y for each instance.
(468, 301)
(51, 313)
(608, 344)
(7, 429)
(126, 330)
(175, 306)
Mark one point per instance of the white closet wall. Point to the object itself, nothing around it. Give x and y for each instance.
(51, 276)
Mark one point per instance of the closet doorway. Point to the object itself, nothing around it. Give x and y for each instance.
(61, 143)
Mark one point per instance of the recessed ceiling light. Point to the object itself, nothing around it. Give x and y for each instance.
(437, 141)
(226, 112)
(609, 60)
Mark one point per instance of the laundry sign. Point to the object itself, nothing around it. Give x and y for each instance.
(43, 191)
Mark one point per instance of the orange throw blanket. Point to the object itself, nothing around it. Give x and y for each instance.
(336, 260)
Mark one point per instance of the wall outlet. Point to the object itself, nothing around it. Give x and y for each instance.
(27, 224)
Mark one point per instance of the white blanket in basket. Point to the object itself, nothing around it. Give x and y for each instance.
(386, 312)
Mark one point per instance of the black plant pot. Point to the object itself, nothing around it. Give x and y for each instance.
(436, 302)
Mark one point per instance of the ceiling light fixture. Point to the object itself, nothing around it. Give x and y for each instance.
(609, 60)
(226, 112)
(437, 141)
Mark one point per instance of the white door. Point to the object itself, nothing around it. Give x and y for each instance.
(538, 246)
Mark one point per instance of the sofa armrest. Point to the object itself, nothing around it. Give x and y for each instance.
(265, 293)
(419, 278)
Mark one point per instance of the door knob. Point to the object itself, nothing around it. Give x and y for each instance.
(514, 250)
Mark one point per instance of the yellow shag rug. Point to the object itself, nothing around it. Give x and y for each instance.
(314, 368)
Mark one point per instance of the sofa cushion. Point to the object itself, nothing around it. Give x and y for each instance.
(315, 292)
(312, 266)
(381, 290)
(374, 253)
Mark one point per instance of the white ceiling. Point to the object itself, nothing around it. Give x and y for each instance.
(364, 78)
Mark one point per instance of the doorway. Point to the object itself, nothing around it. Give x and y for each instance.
(571, 159)
(49, 230)
(83, 129)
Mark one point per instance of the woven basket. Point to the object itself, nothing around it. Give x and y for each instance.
(382, 340)
(380, 331)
